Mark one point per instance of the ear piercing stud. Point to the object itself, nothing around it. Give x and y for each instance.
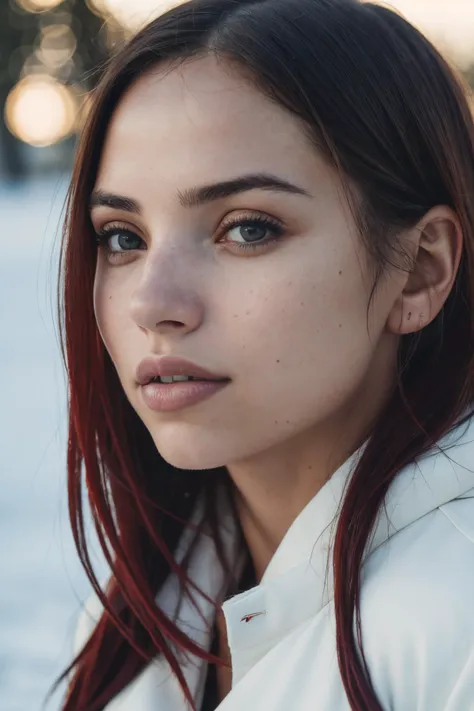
(422, 319)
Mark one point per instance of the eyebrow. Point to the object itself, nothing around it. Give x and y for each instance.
(194, 197)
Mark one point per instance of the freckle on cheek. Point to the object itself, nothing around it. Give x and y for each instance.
(340, 272)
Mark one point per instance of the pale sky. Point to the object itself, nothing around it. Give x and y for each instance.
(449, 23)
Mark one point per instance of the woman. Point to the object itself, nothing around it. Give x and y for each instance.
(274, 198)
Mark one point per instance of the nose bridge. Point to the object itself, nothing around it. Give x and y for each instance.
(167, 290)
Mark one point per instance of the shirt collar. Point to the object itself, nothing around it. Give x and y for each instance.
(298, 582)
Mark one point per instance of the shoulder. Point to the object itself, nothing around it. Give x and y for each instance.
(428, 563)
(417, 611)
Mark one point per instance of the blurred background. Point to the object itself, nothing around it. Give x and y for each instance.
(51, 55)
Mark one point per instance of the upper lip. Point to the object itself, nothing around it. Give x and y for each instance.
(155, 366)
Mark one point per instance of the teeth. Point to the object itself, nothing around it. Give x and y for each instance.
(173, 378)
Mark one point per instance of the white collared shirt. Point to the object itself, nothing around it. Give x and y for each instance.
(417, 604)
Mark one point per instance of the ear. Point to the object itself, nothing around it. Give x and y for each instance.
(436, 243)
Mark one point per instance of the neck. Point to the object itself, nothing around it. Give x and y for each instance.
(272, 488)
(268, 505)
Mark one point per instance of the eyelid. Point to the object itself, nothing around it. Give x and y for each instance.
(117, 225)
(236, 214)
(249, 215)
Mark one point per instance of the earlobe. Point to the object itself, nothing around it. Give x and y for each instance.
(407, 316)
(438, 255)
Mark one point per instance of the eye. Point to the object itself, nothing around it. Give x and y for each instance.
(251, 232)
(117, 240)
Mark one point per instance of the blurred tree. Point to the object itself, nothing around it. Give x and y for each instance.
(21, 34)
(95, 39)
(12, 38)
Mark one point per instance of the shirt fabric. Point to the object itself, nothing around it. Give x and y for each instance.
(417, 603)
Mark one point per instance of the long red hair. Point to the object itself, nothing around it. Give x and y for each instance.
(391, 115)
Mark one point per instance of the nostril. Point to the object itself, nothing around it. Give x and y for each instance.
(168, 323)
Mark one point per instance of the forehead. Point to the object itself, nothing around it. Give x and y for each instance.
(202, 121)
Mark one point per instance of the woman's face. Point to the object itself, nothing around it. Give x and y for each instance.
(286, 320)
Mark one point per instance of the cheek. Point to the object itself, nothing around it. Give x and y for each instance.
(110, 311)
(307, 339)
(309, 310)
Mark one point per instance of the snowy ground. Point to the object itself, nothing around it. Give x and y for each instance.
(41, 583)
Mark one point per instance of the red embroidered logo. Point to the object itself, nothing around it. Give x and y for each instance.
(247, 618)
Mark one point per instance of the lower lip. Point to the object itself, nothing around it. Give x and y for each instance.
(167, 397)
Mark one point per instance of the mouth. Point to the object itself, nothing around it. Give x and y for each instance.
(170, 379)
(167, 370)
(178, 394)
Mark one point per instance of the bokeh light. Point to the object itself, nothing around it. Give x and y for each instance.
(41, 111)
(57, 46)
(38, 5)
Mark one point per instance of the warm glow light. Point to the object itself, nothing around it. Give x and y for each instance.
(132, 14)
(96, 6)
(40, 111)
(57, 46)
(38, 5)
(448, 23)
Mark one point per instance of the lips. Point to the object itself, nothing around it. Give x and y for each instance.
(155, 366)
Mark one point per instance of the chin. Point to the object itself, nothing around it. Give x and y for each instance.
(185, 453)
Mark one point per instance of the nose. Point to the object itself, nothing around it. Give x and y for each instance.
(166, 296)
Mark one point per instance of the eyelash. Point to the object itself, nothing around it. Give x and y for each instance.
(103, 236)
